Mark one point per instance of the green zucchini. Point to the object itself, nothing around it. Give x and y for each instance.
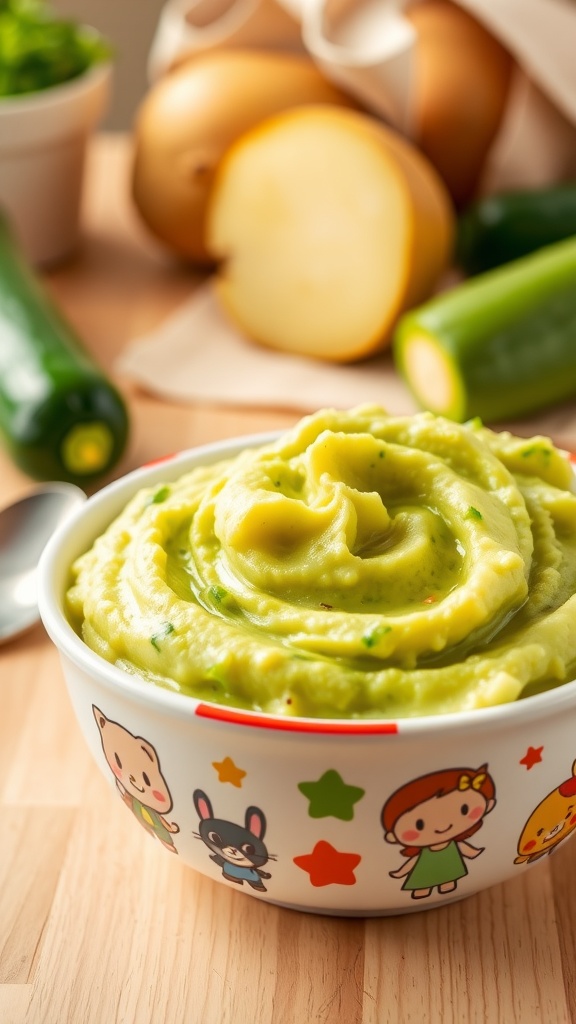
(499, 345)
(60, 417)
(501, 228)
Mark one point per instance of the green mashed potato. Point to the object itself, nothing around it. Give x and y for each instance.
(363, 565)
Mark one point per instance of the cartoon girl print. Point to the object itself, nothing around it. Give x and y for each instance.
(553, 820)
(433, 816)
(139, 780)
(238, 849)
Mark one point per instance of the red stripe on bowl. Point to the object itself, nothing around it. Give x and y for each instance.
(160, 460)
(236, 717)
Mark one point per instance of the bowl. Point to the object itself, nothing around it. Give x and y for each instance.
(334, 816)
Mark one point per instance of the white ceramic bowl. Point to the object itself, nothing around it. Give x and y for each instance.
(315, 799)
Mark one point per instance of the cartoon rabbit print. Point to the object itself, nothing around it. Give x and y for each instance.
(238, 849)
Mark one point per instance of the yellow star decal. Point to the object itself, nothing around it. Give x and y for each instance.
(229, 772)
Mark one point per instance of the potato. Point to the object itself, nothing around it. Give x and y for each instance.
(190, 117)
(326, 225)
(461, 88)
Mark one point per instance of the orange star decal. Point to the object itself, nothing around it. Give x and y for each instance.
(229, 772)
(328, 866)
(532, 756)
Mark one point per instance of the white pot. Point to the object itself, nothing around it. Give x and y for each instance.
(43, 138)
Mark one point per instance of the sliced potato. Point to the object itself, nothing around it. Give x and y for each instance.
(191, 116)
(327, 225)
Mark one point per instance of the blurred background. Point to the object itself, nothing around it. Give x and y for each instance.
(130, 24)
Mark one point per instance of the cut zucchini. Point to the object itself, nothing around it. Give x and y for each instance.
(497, 346)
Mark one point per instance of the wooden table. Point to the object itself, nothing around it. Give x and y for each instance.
(99, 926)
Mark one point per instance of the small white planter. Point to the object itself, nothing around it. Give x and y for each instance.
(43, 138)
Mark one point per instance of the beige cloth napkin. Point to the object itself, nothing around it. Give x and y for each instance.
(197, 355)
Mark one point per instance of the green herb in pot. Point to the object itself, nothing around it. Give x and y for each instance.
(39, 50)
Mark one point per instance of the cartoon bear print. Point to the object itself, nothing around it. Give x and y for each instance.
(238, 849)
(552, 821)
(139, 780)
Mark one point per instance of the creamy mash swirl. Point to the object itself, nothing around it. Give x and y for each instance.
(361, 565)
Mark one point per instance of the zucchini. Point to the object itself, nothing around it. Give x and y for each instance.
(501, 228)
(499, 345)
(60, 417)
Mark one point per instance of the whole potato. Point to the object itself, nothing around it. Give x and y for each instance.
(461, 89)
(191, 116)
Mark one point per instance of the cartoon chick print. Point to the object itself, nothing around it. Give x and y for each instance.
(553, 820)
(136, 768)
(433, 816)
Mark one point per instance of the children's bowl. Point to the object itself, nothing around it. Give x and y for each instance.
(346, 817)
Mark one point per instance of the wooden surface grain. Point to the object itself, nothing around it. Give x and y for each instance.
(98, 925)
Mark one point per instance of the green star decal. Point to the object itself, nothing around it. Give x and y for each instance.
(331, 797)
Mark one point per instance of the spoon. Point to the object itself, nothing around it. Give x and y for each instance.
(25, 528)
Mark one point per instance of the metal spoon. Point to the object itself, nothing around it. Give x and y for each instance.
(25, 528)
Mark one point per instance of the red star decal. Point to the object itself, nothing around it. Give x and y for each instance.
(327, 866)
(532, 756)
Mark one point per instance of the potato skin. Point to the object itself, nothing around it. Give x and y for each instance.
(191, 116)
(462, 82)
